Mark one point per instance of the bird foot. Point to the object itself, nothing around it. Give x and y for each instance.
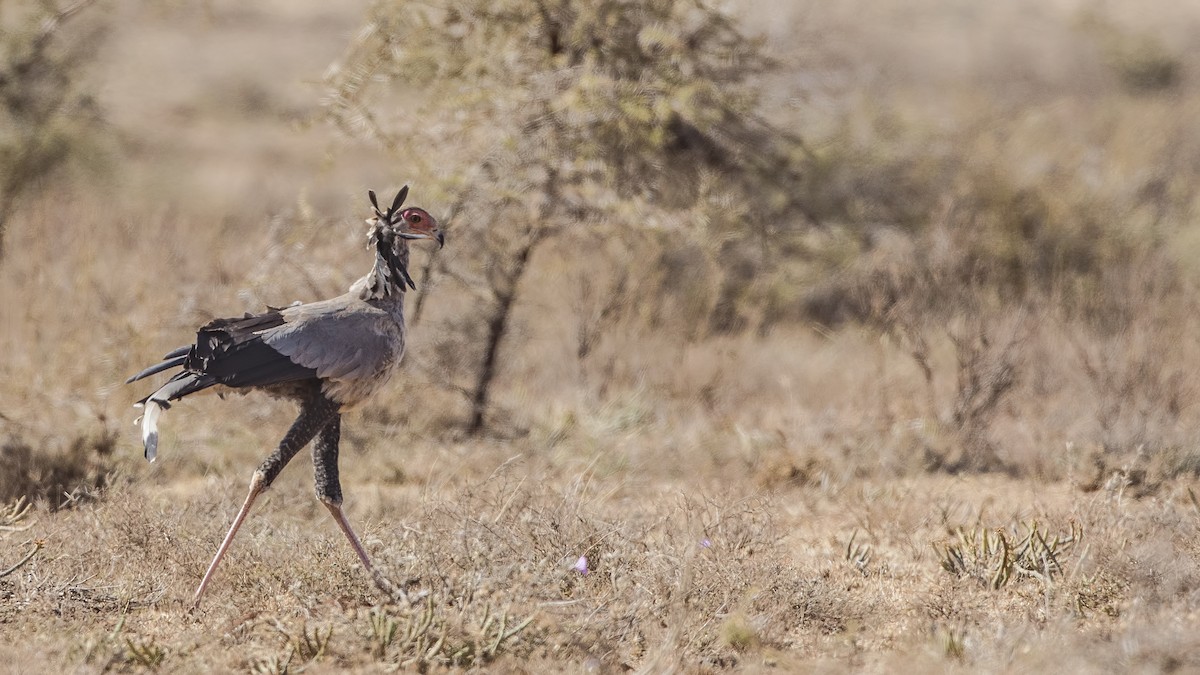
(385, 585)
(395, 593)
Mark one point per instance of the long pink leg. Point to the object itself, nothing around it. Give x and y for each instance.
(256, 488)
(336, 510)
(380, 582)
(329, 491)
(315, 414)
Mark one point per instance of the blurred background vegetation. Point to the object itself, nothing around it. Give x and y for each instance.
(942, 236)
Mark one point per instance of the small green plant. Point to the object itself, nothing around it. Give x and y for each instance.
(274, 665)
(110, 651)
(426, 637)
(310, 645)
(738, 633)
(995, 557)
(306, 646)
(94, 646)
(954, 644)
(146, 654)
(383, 631)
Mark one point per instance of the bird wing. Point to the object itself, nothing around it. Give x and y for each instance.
(235, 352)
(347, 342)
(340, 339)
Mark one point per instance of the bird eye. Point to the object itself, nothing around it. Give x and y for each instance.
(415, 219)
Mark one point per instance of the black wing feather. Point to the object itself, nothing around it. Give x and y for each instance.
(232, 353)
(229, 352)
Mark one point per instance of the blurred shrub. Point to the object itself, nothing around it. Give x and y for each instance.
(45, 115)
(963, 289)
(972, 228)
(1146, 66)
(56, 477)
(574, 117)
(1141, 62)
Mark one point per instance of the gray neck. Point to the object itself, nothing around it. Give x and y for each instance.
(385, 281)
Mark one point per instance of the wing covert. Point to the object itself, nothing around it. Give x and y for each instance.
(357, 341)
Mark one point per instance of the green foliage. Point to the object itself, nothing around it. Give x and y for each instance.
(618, 103)
(954, 643)
(111, 651)
(273, 665)
(45, 115)
(858, 555)
(144, 653)
(309, 645)
(617, 116)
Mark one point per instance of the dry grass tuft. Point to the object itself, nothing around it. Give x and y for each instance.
(994, 558)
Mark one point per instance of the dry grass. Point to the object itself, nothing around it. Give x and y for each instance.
(675, 580)
(794, 499)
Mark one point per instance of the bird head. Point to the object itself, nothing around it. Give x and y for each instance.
(405, 224)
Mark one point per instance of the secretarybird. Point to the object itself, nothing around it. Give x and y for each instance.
(327, 356)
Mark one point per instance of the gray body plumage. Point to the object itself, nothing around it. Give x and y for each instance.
(327, 356)
(351, 345)
(354, 345)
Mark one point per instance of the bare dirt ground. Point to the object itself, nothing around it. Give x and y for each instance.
(760, 503)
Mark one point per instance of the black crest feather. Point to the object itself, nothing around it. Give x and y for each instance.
(399, 200)
(396, 204)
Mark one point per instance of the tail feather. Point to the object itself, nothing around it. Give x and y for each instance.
(177, 387)
(158, 368)
(150, 429)
(178, 351)
(173, 358)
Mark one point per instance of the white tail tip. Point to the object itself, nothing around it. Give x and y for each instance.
(150, 429)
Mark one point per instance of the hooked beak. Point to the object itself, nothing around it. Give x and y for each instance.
(440, 238)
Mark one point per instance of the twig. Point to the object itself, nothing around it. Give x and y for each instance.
(14, 513)
(37, 546)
